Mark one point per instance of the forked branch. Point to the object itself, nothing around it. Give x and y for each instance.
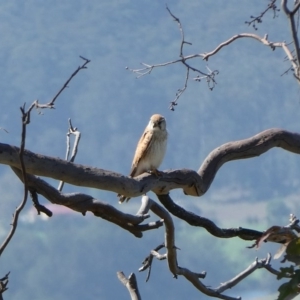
(209, 76)
(131, 285)
(171, 254)
(85, 203)
(193, 183)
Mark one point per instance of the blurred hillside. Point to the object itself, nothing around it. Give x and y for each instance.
(74, 257)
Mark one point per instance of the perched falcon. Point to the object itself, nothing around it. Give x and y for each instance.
(150, 149)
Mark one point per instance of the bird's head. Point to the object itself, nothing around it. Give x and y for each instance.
(157, 122)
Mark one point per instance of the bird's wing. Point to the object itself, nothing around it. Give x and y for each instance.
(141, 150)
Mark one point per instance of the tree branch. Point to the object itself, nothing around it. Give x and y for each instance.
(263, 40)
(25, 121)
(290, 16)
(77, 134)
(83, 203)
(195, 220)
(131, 285)
(210, 76)
(171, 254)
(271, 6)
(193, 183)
(257, 264)
(247, 148)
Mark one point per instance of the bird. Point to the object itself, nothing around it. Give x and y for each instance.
(150, 149)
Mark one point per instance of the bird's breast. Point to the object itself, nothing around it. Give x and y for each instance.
(157, 150)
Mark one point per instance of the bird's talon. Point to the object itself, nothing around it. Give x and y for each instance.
(156, 173)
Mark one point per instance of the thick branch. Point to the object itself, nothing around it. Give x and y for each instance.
(195, 220)
(83, 203)
(171, 254)
(193, 183)
(247, 148)
(131, 285)
(87, 176)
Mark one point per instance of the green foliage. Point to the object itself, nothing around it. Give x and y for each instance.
(291, 288)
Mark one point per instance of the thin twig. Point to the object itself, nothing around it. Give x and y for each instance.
(180, 91)
(83, 66)
(40, 208)
(257, 264)
(51, 103)
(147, 262)
(183, 41)
(77, 134)
(3, 285)
(25, 122)
(210, 76)
(271, 6)
(290, 16)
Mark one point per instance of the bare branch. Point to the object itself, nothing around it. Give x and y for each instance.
(83, 203)
(271, 6)
(40, 208)
(193, 183)
(50, 104)
(263, 40)
(77, 134)
(247, 148)
(1, 128)
(131, 285)
(210, 76)
(87, 176)
(195, 220)
(171, 254)
(183, 41)
(180, 91)
(286, 9)
(147, 263)
(82, 67)
(3, 285)
(25, 121)
(257, 264)
(290, 15)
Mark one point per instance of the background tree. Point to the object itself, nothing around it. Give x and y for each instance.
(250, 97)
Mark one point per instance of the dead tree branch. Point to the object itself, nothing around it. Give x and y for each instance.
(3, 285)
(290, 15)
(50, 104)
(131, 285)
(210, 76)
(74, 131)
(193, 183)
(171, 257)
(85, 203)
(195, 220)
(20, 156)
(257, 264)
(147, 262)
(171, 254)
(25, 121)
(258, 19)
